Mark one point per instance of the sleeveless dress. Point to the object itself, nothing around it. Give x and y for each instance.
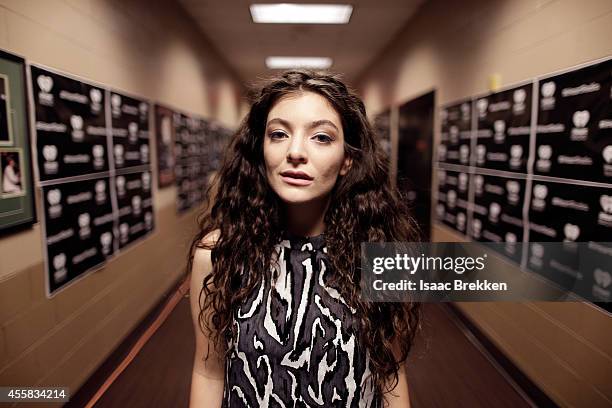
(297, 342)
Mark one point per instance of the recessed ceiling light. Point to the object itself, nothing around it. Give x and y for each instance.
(298, 62)
(301, 13)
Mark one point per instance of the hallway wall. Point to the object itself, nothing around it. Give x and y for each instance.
(454, 47)
(150, 49)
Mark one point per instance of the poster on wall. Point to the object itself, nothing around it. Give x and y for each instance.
(452, 206)
(94, 167)
(456, 133)
(130, 127)
(70, 123)
(16, 185)
(574, 131)
(503, 128)
(164, 127)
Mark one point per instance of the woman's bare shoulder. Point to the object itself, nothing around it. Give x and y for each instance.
(202, 263)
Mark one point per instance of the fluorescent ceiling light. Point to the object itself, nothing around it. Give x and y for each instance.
(301, 13)
(298, 62)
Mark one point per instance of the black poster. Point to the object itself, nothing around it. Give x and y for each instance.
(574, 132)
(130, 124)
(135, 206)
(498, 212)
(503, 122)
(165, 145)
(70, 126)
(456, 134)
(79, 223)
(452, 205)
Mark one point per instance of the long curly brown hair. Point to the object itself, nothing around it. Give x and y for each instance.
(363, 208)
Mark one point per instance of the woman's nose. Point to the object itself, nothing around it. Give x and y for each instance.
(296, 151)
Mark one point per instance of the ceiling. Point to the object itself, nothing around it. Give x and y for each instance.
(352, 46)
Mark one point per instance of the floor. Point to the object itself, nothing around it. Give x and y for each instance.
(446, 368)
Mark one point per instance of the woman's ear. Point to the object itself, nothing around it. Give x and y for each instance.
(346, 166)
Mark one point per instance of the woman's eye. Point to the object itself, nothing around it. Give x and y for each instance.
(277, 135)
(323, 138)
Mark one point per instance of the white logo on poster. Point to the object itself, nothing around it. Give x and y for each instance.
(548, 99)
(605, 216)
(581, 118)
(133, 132)
(84, 220)
(571, 232)
(476, 228)
(548, 89)
(451, 198)
(494, 210)
(54, 197)
(510, 239)
(124, 233)
(105, 240)
(148, 220)
(454, 134)
(537, 253)
(478, 183)
(464, 154)
(440, 210)
(463, 181)
(143, 108)
(544, 154)
(146, 181)
(45, 83)
(482, 105)
(116, 101)
(465, 111)
(100, 188)
(513, 188)
(500, 131)
(144, 153)
(461, 221)
(481, 152)
(98, 156)
(77, 128)
(602, 278)
(95, 96)
(441, 177)
(59, 264)
(119, 154)
(540, 191)
(120, 182)
(442, 152)
(516, 153)
(607, 154)
(50, 154)
(519, 101)
(136, 205)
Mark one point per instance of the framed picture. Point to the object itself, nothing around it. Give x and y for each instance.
(17, 208)
(11, 181)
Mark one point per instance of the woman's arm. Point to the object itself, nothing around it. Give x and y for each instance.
(399, 397)
(207, 377)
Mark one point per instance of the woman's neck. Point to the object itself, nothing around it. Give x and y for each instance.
(306, 219)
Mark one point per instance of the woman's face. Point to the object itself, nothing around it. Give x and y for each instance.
(304, 147)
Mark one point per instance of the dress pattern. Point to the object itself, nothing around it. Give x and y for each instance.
(297, 342)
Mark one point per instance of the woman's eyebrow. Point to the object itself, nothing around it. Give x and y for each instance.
(322, 122)
(282, 122)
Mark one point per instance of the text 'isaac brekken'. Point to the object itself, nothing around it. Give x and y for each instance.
(457, 285)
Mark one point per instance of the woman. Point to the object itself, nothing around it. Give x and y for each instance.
(275, 267)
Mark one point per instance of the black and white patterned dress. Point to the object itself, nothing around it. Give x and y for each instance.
(297, 343)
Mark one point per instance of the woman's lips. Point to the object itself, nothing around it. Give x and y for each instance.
(296, 181)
